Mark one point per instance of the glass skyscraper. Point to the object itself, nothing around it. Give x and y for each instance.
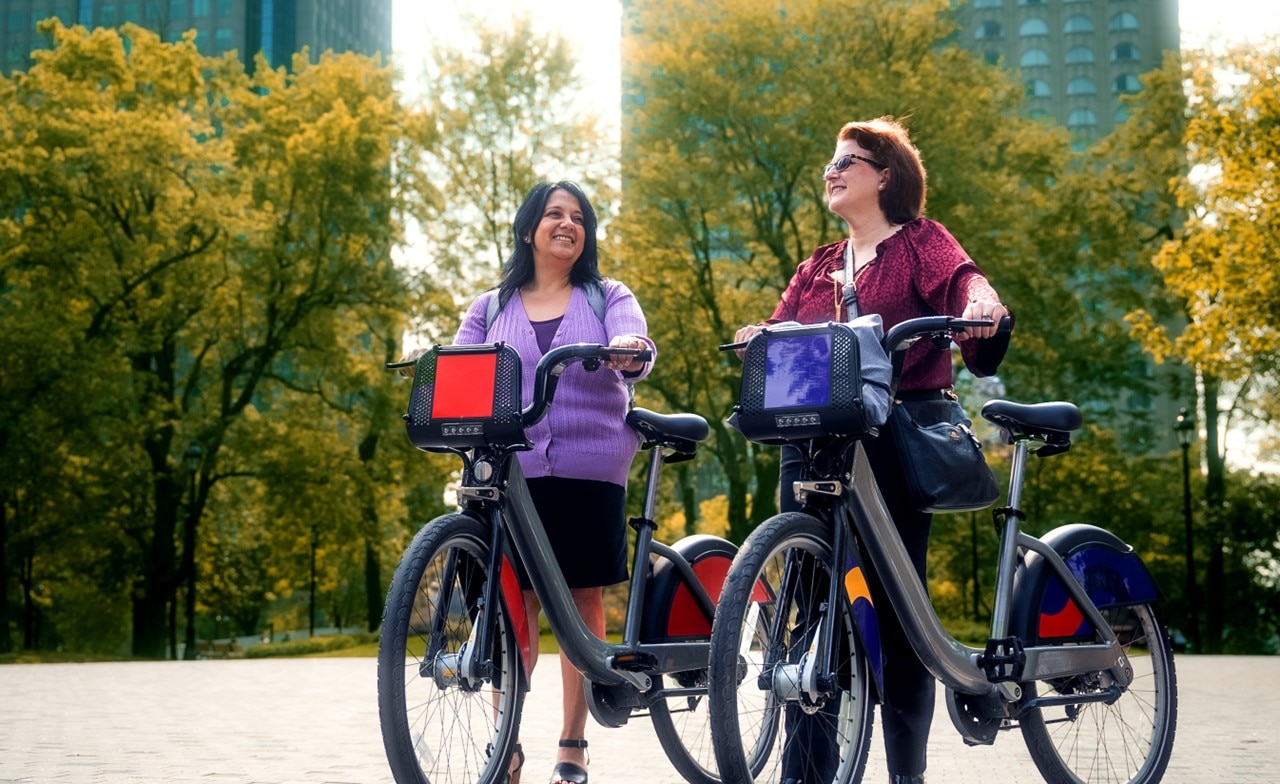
(277, 28)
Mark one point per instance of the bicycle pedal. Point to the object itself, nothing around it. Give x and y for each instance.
(1003, 660)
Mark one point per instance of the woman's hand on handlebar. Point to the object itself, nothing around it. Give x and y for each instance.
(985, 309)
(626, 363)
(744, 335)
(407, 370)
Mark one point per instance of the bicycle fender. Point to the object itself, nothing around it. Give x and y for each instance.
(865, 620)
(513, 597)
(670, 612)
(1109, 570)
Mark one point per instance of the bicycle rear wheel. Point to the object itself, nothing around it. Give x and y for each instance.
(683, 725)
(762, 727)
(440, 723)
(1129, 740)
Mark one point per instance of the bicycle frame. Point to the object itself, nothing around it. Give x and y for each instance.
(494, 491)
(954, 664)
(630, 661)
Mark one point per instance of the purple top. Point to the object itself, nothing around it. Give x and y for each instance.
(545, 331)
(584, 434)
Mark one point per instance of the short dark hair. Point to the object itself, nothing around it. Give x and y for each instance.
(886, 139)
(519, 267)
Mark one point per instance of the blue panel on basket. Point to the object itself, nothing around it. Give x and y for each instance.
(798, 371)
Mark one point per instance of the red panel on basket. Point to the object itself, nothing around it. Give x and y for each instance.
(464, 386)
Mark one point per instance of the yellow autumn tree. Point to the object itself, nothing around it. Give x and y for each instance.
(730, 110)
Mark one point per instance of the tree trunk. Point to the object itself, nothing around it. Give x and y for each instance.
(5, 644)
(1215, 499)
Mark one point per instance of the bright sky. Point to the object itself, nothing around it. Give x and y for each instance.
(592, 27)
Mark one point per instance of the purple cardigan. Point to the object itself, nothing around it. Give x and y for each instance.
(584, 434)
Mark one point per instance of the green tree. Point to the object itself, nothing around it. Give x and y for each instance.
(188, 235)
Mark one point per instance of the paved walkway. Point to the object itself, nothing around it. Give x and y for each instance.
(314, 721)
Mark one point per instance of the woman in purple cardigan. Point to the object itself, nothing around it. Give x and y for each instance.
(577, 469)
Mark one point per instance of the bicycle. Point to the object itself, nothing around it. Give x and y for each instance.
(1076, 658)
(455, 643)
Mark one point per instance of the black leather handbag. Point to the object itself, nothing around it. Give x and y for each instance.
(942, 460)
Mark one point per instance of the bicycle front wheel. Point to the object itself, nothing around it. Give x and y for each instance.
(1126, 741)
(765, 725)
(443, 721)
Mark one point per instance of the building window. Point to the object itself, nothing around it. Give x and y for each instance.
(1122, 114)
(224, 7)
(1124, 53)
(1031, 2)
(988, 30)
(1126, 83)
(988, 3)
(177, 9)
(1034, 57)
(130, 12)
(1079, 55)
(222, 39)
(1033, 27)
(1082, 118)
(1078, 24)
(199, 8)
(1123, 21)
(107, 15)
(84, 13)
(1081, 86)
(1038, 88)
(991, 58)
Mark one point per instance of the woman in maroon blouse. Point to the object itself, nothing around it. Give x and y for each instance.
(901, 265)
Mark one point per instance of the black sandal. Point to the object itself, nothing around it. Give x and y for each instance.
(571, 772)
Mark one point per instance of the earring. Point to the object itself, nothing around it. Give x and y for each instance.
(526, 239)
(882, 186)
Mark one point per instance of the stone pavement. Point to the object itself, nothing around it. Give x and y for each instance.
(315, 721)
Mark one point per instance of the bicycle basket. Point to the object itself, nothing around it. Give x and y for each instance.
(801, 382)
(466, 396)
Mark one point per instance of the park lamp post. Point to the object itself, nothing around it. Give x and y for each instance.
(1185, 428)
(191, 462)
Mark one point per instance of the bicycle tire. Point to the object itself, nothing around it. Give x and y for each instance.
(1129, 740)
(438, 726)
(683, 725)
(751, 725)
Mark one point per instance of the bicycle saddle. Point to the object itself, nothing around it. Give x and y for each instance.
(680, 432)
(1051, 423)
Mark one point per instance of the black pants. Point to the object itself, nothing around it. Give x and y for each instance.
(907, 702)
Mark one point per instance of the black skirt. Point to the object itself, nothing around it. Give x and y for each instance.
(584, 522)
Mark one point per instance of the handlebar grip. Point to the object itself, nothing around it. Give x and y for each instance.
(398, 365)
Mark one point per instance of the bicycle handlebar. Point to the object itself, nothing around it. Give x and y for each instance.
(547, 375)
(911, 330)
(903, 334)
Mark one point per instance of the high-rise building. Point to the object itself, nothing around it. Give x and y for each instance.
(277, 28)
(1076, 57)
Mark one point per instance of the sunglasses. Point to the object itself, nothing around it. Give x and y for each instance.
(845, 161)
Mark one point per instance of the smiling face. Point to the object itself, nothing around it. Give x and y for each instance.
(855, 190)
(559, 238)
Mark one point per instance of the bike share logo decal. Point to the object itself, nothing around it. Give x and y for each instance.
(797, 420)
(464, 429)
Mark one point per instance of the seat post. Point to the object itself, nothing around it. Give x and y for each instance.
(1008, 563)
